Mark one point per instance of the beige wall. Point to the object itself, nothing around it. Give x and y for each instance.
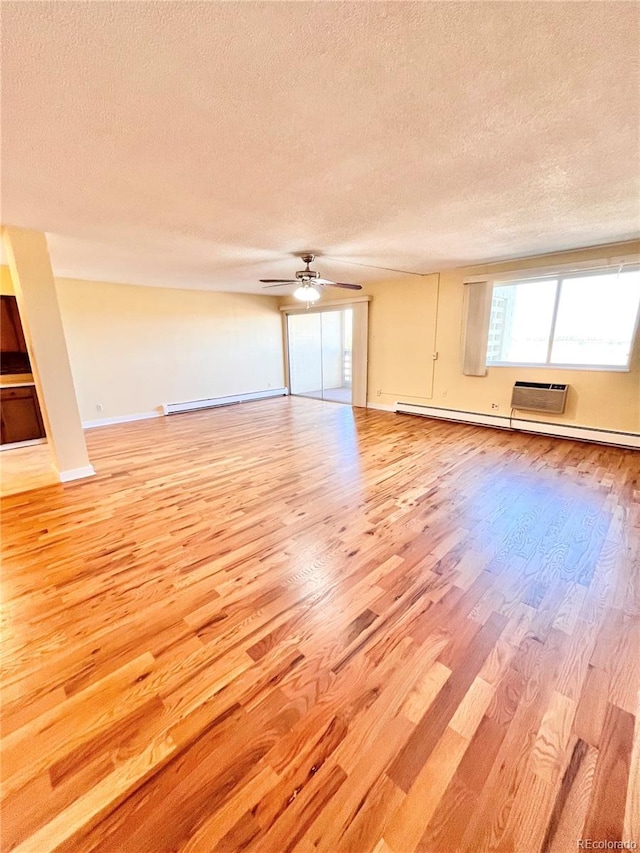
(134, 348)
(597, 398)
(402, 328)
(6, 285)
(413, 317)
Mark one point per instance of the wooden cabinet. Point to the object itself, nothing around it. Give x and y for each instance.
(20, 418)
(11, 334)
(13, 346)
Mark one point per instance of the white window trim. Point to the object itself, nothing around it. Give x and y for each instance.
(595, 266)
(559, 276)
(540, 365)
(322, 305)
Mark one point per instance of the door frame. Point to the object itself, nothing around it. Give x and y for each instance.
(360, 333)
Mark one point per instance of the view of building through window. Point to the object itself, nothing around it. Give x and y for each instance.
(585, 320)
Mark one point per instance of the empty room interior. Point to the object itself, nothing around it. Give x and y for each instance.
(320, 426)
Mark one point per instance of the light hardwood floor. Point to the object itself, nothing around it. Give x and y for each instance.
(23, 469)
(291, 626)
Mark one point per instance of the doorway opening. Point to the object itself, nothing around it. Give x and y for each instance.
(321, 354)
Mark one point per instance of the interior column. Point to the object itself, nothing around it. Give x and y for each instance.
(35, 290)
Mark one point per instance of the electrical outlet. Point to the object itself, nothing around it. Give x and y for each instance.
(99, 407)
(495, 405)
(444, 393)
(378, 391)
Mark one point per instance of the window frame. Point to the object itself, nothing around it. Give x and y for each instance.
(560, 278)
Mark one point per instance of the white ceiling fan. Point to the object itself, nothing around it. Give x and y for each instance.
(309, 281)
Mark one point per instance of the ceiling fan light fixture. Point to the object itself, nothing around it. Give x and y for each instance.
(309, 281)
(306, 293)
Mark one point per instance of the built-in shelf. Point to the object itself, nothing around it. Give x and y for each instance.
(19, 381)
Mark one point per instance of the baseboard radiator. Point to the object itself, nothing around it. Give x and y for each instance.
(214, 402)
(601, 436)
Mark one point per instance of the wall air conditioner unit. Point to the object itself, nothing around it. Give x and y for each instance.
(539, 397)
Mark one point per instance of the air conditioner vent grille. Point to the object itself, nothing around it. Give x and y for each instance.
(539, 397)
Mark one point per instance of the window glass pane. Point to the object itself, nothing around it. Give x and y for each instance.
(596, 319)
(520, 324)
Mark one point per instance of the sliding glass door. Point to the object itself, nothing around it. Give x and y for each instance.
(320, 354)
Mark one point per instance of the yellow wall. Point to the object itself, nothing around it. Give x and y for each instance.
(597, 398)
(402, 324)
(6, 284)
(134, 348)
(414, 316)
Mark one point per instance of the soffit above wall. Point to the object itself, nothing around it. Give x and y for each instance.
(203, 144)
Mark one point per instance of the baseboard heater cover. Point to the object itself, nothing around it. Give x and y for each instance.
(214, 402)
(581, 433)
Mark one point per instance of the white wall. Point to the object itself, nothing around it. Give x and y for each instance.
(134, 348)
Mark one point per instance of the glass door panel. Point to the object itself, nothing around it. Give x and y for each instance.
(336, 355)
(320, 354)
(305, 354)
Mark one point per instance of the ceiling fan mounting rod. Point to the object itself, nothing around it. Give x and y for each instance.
(307, 274)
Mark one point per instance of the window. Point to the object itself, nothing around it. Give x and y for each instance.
(581, 320)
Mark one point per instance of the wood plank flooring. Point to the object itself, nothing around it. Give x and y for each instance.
(23, 469)
(292, 626)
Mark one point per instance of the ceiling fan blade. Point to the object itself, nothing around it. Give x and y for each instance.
(278, 280)
(341, 284)
(284, 284)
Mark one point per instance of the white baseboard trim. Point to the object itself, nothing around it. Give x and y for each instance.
(381, 407)
(214, 402)
(76, 473)
(582, 433)
(12, 445)
(120, 419)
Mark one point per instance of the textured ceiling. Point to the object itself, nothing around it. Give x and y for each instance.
(199, 144)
